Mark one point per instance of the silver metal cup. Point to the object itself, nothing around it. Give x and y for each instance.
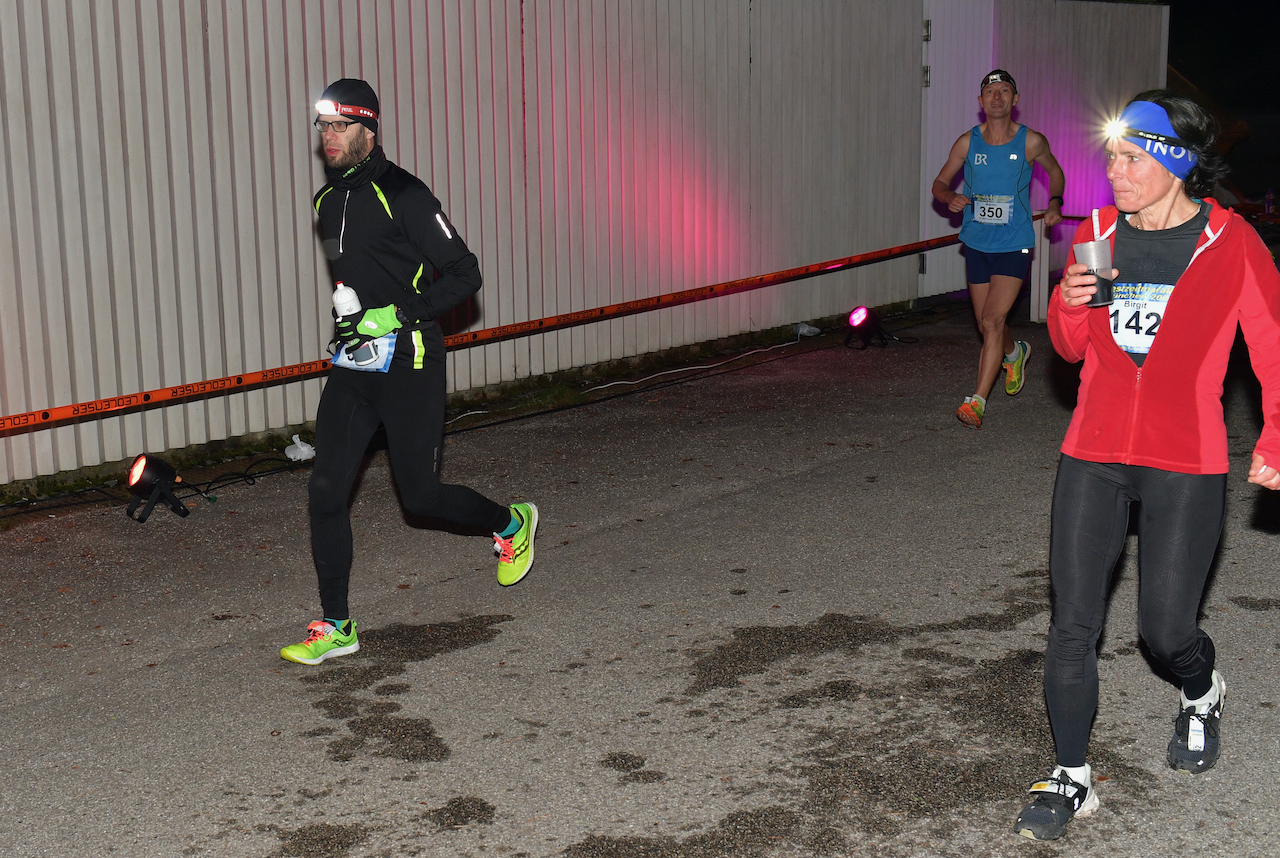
(1096, 256)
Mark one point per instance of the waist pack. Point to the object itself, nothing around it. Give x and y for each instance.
(373, 356)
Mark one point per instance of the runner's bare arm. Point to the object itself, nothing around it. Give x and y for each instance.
(1038, 152)
(942, 185)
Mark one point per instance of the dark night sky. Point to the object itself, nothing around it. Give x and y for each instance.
(1228, 48)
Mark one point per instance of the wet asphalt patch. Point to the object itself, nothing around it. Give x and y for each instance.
(383, 734)
(632, 767)
(459, 811)
(936, 721)
(334, 841)
(871, 758)
(623, 761)
(753, 649)
(882, 755)
(1249, 603)
(373, 727)
(748, 834)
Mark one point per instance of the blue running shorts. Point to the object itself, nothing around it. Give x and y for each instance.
(979, 266)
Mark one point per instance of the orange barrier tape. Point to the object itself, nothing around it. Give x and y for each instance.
(229, 384)
(688, 296)
(134, 401)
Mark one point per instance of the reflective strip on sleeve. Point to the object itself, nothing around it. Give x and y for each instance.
(416, 278)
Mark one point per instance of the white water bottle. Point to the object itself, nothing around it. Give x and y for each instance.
(345, 301)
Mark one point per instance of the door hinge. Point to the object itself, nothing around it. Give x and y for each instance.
(926, 76)
(928, 30)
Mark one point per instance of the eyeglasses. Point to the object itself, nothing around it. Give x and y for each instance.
(340, 126)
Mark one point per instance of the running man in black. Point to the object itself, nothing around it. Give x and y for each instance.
(388, 239)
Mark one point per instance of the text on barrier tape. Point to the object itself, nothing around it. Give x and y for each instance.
(111, 405)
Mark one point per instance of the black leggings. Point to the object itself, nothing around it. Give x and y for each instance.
(1179, 523)
(410, 404)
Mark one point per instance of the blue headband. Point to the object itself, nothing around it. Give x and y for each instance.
(1147, 125)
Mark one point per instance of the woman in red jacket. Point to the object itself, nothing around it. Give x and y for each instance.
(1148, 428)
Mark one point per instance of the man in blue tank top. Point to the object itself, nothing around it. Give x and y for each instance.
(997, 233)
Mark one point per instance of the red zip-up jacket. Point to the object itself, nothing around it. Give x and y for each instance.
(1167, 413)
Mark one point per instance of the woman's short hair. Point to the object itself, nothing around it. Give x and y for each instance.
(1199, 130)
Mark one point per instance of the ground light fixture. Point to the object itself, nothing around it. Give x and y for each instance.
(151, 479)
(865, 330)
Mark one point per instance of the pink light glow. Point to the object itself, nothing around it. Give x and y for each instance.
(681, 169)
(857, 317)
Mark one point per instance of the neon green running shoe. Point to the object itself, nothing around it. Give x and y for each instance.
(323, 641)
(1013, 370)
(515, 553)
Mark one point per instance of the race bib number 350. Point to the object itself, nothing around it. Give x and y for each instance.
(1136, 314)
(993, 209)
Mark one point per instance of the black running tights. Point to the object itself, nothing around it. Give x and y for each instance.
(410, 404)
(1179, 523)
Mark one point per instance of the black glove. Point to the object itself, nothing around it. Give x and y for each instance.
(345, 333)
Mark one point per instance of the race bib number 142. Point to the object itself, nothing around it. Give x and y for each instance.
(1136, 314)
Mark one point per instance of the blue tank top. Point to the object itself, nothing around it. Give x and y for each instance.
(998, 181)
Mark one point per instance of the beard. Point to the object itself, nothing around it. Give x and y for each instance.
(353, 153)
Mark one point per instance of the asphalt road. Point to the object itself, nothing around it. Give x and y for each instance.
(793, 609)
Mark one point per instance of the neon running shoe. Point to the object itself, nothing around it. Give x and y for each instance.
(970, 413)
(1013, 370)
(515, 553)
(1194, 746)
(324, 640)
(1056, 802)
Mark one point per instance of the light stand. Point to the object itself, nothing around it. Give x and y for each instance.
(864, 327)
(152, 479)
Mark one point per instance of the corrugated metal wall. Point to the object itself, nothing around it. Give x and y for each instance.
(834, 124)
(154, 219)
(674, 144)
(638, 171)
